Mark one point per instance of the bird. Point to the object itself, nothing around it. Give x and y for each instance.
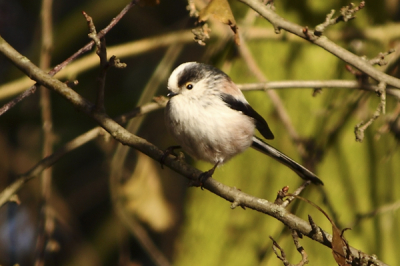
(210, 118)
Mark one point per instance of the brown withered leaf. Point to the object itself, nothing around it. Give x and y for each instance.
(339, 243)
(221, 10)
(338, 246)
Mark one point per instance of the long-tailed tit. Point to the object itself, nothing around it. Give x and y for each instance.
(212, 121)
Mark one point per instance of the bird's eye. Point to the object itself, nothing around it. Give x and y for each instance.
(189, 86)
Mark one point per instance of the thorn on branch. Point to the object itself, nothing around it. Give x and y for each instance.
(346, 13)
(314, 227)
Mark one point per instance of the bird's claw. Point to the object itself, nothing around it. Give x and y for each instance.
(167, 152)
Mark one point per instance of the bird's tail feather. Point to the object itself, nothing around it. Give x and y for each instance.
(267, 149)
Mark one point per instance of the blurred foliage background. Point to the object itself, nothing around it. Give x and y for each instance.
(188, 225)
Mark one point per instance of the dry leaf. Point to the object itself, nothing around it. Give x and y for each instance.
(144, 196)
(221, 10)
(339, 244)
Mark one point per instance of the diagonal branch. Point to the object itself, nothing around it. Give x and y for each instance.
(280, 23)
(59, 67)
(77, 142)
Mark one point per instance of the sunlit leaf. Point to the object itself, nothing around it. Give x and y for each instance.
(221, 10)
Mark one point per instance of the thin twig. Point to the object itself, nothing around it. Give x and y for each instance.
(282, 256)
(101, 51)
(380, 210)
(362, 126)
(350, 58)
(59, 67)
(300, 249)
(296, 193)
(346, 13)
(46, 224)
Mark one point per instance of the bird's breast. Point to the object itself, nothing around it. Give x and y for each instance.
(208, 129)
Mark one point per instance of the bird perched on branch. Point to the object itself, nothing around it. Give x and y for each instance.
(212, 121)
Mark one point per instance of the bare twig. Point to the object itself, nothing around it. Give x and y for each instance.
(382, 209)
(7, 193)
(346, 13)
(101, 51)
(300, 249)
(46, 224)
(91, 60)
(380, 58)
(282, 256)
(324, 42)
(81, 51)
(361, 127)
(324, 84)
(296, 193)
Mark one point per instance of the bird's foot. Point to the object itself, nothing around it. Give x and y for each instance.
(206, 175)
(167, 152)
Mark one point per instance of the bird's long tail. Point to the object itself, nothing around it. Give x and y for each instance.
(267, 149)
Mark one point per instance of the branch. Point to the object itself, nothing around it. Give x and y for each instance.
(316, 84)
(59, 67)
(280, 23)
(391, 207)
(46, 222)
(125, 137)
(7, 193)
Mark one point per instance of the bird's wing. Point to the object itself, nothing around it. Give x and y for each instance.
(246, 109)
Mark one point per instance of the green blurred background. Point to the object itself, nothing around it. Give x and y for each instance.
(191, 226)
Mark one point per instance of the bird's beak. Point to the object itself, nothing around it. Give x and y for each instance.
(172, 94)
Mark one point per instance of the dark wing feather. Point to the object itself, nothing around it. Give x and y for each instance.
(246, 109)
